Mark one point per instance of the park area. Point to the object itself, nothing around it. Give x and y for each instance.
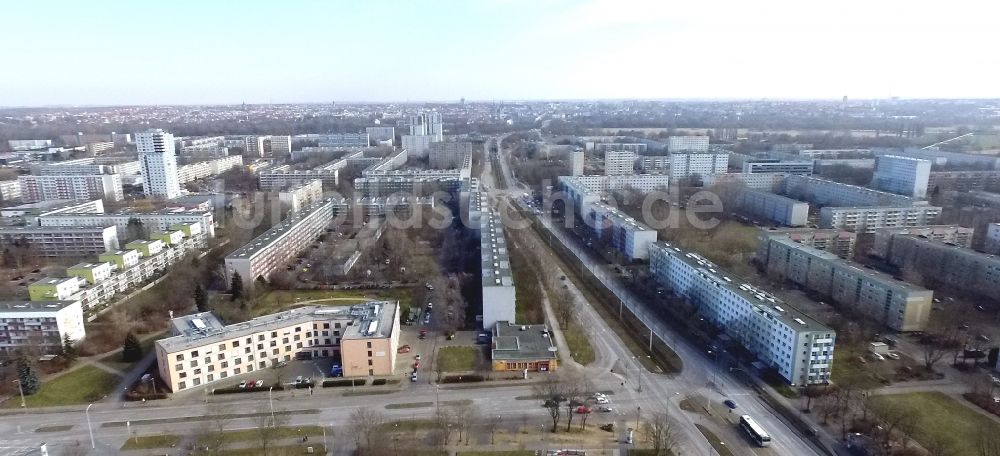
(79, 386)
(939, 422)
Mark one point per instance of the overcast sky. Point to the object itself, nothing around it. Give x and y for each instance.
(191, 52)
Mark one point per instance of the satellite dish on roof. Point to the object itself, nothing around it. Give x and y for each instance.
(553, 349)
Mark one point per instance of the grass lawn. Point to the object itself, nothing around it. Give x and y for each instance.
(456, 359)
(641, 452)
(579, 345)
(83, 385)
(939, 417)
(114, 360)
(497, 453)
(282, 433)
(719, 445)
(145, 442)
(287, 450)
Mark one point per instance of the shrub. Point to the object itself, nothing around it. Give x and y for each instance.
(463, 379)
(249, 389)
(344, 382)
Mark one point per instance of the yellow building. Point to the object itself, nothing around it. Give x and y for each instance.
(520, 347)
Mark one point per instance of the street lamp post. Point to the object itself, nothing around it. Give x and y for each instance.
(21, 390)
(638, 414)
(270, 401)
(90, 428)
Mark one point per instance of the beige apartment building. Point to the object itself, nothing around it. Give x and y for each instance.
(203, 350)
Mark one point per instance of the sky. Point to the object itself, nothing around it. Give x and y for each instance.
(219, 52)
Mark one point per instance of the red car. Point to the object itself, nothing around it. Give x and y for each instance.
(404, 349)
(416, 365)
(583, 409)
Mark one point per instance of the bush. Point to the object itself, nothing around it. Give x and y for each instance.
(344, 382)
(463, 379)
(249, 389)
(134, 396)
(984, 401)
(378, 382)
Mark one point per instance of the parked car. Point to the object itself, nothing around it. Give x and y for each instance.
(583, 409)
(243, 384)
(730, 403)
(605, 409)
(416, 365)
(891, 355)
(299, 380)
(603, 400)
(258, 383)
(878, 357)
(413, 377)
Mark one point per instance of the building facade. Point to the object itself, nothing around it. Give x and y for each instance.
(62, 187)
(868, 219)
(577, 158)
(158, 164)
(963, 269)
(152, 221)
(837, 242)
(902, 175)
(772, 207)
(687, 144)
(301, 196)
(497, 279)
(797, 347)
(952, 234)
(890, 301)
(823, 192)
(619, 163)
(40, 326)
(61, 241)
(700, 164)
(203, 350)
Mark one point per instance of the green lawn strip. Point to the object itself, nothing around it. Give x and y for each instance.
(456, 359)
(497, 453)
(940, 418)
(367, 393)
(644, 452)
(283, 450)
(409, 405)
(185, 419)
(59, 428)
(276, 300)
(146, 442)
(408, 425)
(80, 386)
(719, 445)
(244, 435)
(579, 344)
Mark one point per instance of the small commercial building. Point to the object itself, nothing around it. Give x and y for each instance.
(520, 347)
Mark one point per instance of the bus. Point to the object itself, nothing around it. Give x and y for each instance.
(756, 433)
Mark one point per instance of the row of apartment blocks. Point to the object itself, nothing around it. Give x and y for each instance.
(869, 219)
(934, 261)
(776, 208)
(152, 221)
(822, 192)
(95, 285)
(61, 241)
(280, 244)
(797, 347)
(301, 195)
(207, 168)
(889, 301)
(837, 242)
(498, 289)
(203, 350)
(71, 186)
(41, 325)
(951, 234)
(625, 234)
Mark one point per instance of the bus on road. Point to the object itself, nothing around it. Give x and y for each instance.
(756, 433)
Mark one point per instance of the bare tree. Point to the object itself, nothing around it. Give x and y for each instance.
(213, 434)
(364, 426)
(493, 423)
(940, 444)
(661, 433)
(445, 420)
(573, 390)
(267, 426)
(563, 305)
(465, 415)
(932, 353)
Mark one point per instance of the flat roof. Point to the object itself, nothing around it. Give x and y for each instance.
(276, 232)
(880, 277)
(762, 301)
(34, 306)
(510, 342)
(494, 259)
(210, 330)
(52, 229)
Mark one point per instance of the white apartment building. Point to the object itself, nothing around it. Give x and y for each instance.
(600, 147)
(655, 164)
(700, 164)
(902, 175)
(40, 325)
(208, 168)
(62, 241)
(824, 192)
(868, 219)
(837, 242)
(158, 164)
(98, 148)
(758, 181)
(778, 166)
(797, 347)
(85, 166)
(427, 124)
(254, 146)
(448, 154)
(18, 145)
(960, 268)
(205, 151)
(153, 221)
(894, 303)
(577, 158)
(10, 190)
(381, 133)
(302, 195)
(280, 244)
(497, 278)
(283, 176)
(341, 140)
(279, 145)
(951, 234)
(772, 207)
(992, 242)
(203, 350)
(687, 144)
(625, 234)
(30, 212)
(619, 163)
(61, 187)
(417, 144)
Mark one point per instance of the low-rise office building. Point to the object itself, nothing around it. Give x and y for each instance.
(824, 192)
(61, 241)
(837, 242)
(522, 347)
(938, 262)
(772, 207)
(868, 219)
(203, 350)
(797, 347)
(40, 325)
(279, 245)
(952, 234)
(890, 301)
